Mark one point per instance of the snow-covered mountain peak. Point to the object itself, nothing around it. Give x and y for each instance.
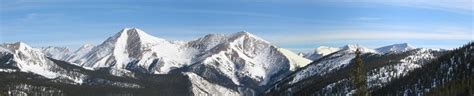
(405, 44)
(295, 60)
(137, 35)
(395, 48)
(247, 35)
(243, 33)
(59, 53)
(243, 55)
(83, 50)
(136, 50)
(28, 59)
(320, 52)
(207, 42)
(58, 49)
(86, 46)
(325, 50)
(20, 46)
(17, 46)
(213, 40)
(354, 47)
(132, 39)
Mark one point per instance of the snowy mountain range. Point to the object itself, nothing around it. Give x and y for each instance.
(325, 50)
(320, 52)
(396, 48)
(216, 64)
(239, 59)
(330, 72)
(21, 57)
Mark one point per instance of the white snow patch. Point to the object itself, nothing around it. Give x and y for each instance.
(202, 87)
(321, 51)
(296, 61)
(8, 70)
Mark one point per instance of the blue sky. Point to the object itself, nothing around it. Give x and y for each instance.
(299, 25)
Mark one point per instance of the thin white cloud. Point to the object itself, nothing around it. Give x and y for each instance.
(367, 18)
(370, 35)
(457, 6)
(39, 16)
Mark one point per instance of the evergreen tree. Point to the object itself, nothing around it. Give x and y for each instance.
(358, 76)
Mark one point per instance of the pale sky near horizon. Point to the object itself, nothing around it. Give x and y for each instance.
(298, 25)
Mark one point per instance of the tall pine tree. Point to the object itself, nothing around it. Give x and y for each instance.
(358, 76)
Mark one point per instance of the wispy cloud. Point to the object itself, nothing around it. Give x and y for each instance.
(39, 16)
(457, 6)
(367, 18)
(370, 35)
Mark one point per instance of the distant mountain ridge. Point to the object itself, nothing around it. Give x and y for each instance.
(395, 48)
(325, 50)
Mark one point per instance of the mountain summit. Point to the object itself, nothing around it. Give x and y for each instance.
(27, 59)
(321, 51)
(133, 45)
(395, 48)
(354, 47)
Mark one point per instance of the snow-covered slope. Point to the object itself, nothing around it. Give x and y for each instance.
(202, 87)
(28, 59)
(321, 51)
(83, 50)
(395, 48)
(294, 59)
(241, 57)
(354, 47)
(448, 74)
(330, 73)
(59, 53)
(332, 62)
(136, 50)
(415, 59)
(320, 69)
(3, 50)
